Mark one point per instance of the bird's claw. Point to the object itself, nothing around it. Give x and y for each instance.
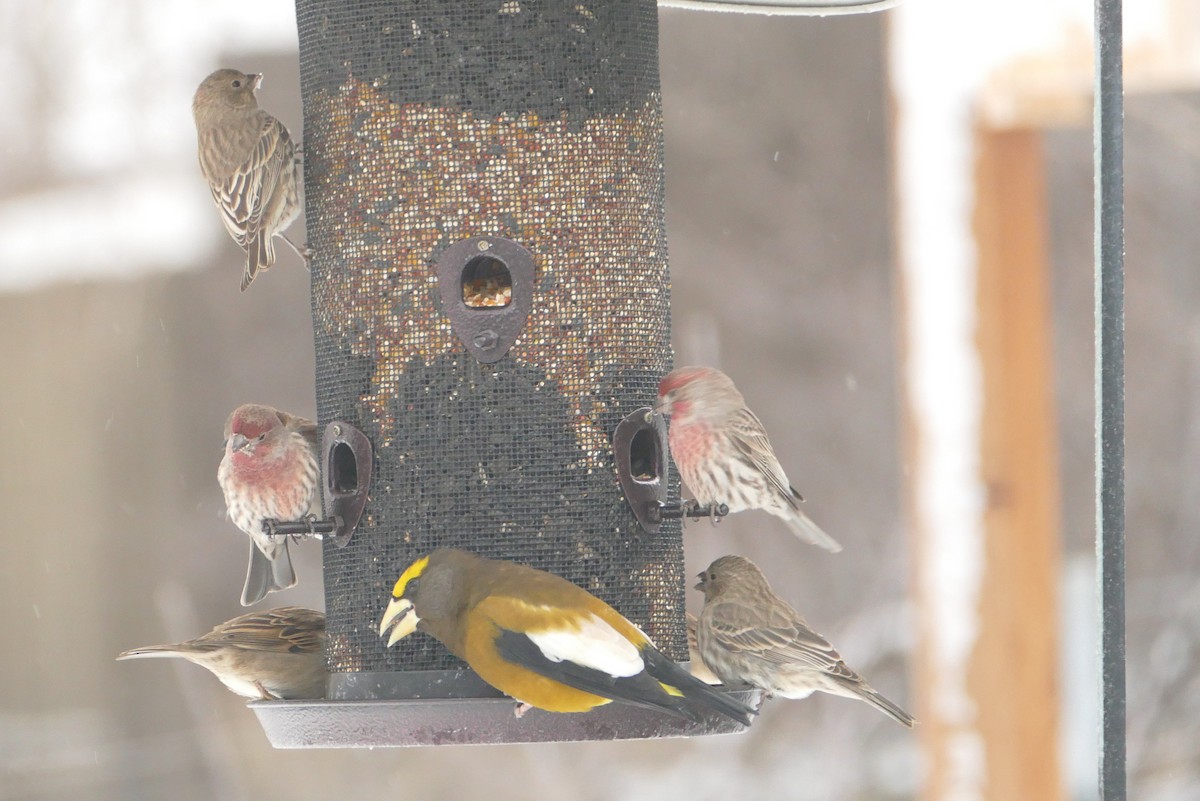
(302, 251)
(310, 520)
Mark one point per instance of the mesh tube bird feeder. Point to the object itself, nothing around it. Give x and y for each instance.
(490, 299)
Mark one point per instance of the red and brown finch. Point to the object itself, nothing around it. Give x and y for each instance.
(249, 161)
(722, 451)
(749, 635)
(279, 653)
(270, 470)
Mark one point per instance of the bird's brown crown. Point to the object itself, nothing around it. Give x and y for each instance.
(732, 572)
(228, 89)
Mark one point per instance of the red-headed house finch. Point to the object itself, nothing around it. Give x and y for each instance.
(278, 653)
(722, 451)
(749, 635)
(270, 470)
(249, 161)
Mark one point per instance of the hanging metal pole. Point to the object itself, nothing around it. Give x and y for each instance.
(1110, 394)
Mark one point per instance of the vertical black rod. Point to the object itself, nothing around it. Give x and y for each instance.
(1110, 394)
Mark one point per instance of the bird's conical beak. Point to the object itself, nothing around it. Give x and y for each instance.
(257, 78)
(238, 441)
(401, 618)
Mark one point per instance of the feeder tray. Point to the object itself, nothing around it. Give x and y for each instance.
(456, 707)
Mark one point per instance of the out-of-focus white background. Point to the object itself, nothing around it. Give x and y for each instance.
(126, 343)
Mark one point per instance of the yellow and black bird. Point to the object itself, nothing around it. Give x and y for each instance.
(540, 639)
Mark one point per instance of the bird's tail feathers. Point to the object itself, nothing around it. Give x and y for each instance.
(886, 706)
(150, 651)
(804, 528)
(687, 685)
(260, 255)
(264, 575)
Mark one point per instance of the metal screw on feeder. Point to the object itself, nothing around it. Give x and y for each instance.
(486, 340)
(692, 510)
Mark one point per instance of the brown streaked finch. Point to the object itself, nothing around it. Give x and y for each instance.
(270, 470)
(723, 453)
(249, 160)
(749, 635)
(274, 654)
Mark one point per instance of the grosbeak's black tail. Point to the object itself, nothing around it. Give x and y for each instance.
(667, 672)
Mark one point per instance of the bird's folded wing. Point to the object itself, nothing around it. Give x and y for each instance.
(574, 635)
(578, 650)
(776, 639)
(288, 630)
(242, 197)
(750, 439)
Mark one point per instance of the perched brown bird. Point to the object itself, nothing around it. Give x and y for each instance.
(749, 635)
(278, 653)
(269, 471)
(541, 639)
(722, 451)
(249, 161)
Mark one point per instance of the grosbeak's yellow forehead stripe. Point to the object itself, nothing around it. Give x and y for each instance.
(414, 570)
(589, 641)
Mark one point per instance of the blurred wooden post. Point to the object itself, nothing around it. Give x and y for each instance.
(1013, 671)
(987, 543)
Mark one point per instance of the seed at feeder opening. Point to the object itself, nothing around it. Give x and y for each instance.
(486, 292)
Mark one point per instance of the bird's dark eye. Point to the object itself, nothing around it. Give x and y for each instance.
(413, 586)
(237, 84)
(712, 576)
(262, 436)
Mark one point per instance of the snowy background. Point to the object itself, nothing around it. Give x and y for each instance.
(127, 343)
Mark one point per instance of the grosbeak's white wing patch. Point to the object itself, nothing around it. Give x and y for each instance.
(592, 643)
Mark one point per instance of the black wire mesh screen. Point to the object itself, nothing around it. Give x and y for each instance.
(426, 124)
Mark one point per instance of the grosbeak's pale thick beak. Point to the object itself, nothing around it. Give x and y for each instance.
(257, 79)
(238, 441)
(400, 613)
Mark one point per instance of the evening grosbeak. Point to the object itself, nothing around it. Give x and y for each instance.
(540, 639)
(277, 653)
(749, 635)
(723, 453)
